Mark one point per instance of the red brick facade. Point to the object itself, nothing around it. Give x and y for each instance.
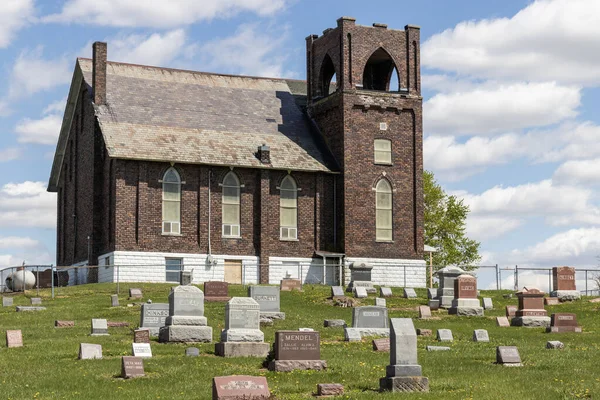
(118, 203)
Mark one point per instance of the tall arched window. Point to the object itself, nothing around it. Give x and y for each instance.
(383, 210)
(231, 205)
(171, 206)
(288, 209)
(378, 71)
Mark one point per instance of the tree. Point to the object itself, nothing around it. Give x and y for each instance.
(445, 218)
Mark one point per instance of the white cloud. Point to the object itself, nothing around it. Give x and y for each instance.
(40, 131)
(248, 52)
(567, 142)
(9, 154)
(8, 242)
(547, 40)
(33, 73)
(483, 228)
(158, 13)
(14, 15)
(27, 204)
(500, 109)
(581, 172)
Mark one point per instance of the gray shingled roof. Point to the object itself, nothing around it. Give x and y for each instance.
(191, 117)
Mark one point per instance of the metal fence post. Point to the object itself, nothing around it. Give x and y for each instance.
(37, 279)
(549, 280)
(586, 284)
(118, 288)
(404, 267)
(52, 279)
(516, 277)
(497, 281)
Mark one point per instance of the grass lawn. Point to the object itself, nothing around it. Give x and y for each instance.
(47, 366)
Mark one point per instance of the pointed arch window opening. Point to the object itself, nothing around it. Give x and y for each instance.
(328, 77)
(171, 202)
(383, 211)
(381, 73)
(231, 205)
(288, 209)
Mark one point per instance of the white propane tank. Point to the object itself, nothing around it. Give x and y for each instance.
(19, 279)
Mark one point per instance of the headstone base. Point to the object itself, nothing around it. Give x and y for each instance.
(561, 329)
(566, 295)
(531, 322)
(233, 349)
(366, 284)
(356, 334)
(243, 335)
(512, 364)
(185, 334)
(404, 384)
(437, 348)
(434, 304)
(154, 331)
(271, 315)
(446, 301)
(185, 320)
(334, 323)
(29, 308)
(291, 365)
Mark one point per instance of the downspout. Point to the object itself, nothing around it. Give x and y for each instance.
(209, 259)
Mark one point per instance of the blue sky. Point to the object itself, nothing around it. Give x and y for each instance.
(510, 101)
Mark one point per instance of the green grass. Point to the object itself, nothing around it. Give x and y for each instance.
(47, 366)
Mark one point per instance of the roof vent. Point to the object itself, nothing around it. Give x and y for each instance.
(264, 154)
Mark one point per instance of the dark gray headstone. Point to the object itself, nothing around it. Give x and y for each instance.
(153, 316)
(434, 304)
(431, 293)
(337, 291)
(508, 355)
(266, 296)
(370, 317)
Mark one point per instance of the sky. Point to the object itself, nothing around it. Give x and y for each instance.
(510, 101)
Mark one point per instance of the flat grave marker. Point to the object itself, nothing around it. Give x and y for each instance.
(192, 352)
(237, 387)
(382, 344)
(141, 336)
(14, 338)
(444, 335)
(135, 293)
(64, 324)
(289, 284)
(132, 367)
(385, 292)
(142, 350)
(380, 302)
(7, 301)
(424, 312)
(409, 293)
(89, 351)
(36, 301)
(502, 322)
(99, 327)
(480, 335)
(508, 356)
(360, 292)
(337, 291)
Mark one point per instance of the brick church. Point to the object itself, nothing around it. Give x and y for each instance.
(247, 179)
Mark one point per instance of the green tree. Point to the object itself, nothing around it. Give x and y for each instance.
(445, 218)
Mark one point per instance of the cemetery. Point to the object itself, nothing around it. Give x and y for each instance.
(76, 337)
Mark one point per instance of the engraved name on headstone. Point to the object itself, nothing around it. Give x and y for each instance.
(141, 350)
(266, 296)
(153, 316)
(141, 336)
(295, 345)
(132, 367)
(216, 291)
(240, 387)
(370, 317)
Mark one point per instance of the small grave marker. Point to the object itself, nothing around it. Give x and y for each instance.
(64, 324)
(434, 304)
(409, 293)
(431, 293)
(487, 303)
(508, 356)
(7, 301)
(380, 302)
(511, 311)
(142, 350)
(330, 389)
(141, 336)
(424, 332)
(334, 323)
(337, 291)
(554, 344)
(135, 293)
(99, 327)
(132, 367)
(30, 308)
(437, 348)
(192, 352)
(502, 322)
(14, 338)
(382, 344)
(551, 301)
(216, 291)
(114, 300)
(240, 387)
(36, 301)
(424, 312)
(385, 292)
(480, 335)
(360, 292)
(289, 284)
(88, 351)
(444, 335)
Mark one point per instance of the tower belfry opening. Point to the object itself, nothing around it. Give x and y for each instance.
(327, 76)
(378, 71)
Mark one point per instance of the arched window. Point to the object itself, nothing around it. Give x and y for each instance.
(327, 76)
(288, 209)
(383, 151)
(231, 205)
(383, 211)
(378, 71)
(171, 206)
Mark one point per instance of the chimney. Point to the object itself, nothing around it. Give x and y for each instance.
(264, 154)
(99, 73)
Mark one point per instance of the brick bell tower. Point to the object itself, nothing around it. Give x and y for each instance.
(374, 131)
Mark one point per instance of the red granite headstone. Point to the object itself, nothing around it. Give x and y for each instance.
(551, 301)
(141, 336)
(64, 324)
(424, 312)
(132, 367)
(563, 322)
(531, 303)
(296, 345)
(240, 387)
(288, 284)
(382, 344)
(511, 311)
(465, 287)
(216, 291)
(563, 278)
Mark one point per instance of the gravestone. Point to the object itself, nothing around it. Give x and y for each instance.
(434, 304)
(487, 303)
(337, 291)
(216, 291)
(554, 344)
(360, 292)
(424, 312)
(511, 311)
(142, 350)
(99, 327)
(237, 387)
(508, 356)
(330, 389)
(551, 301)
(431, 293)
(502, 322)
(268, 299)
(382, 344)
(7, 301)
(242, 336)
(117, 324)
(185, 278)
(409, 293)
(437, 348)
(404, 373)
(14, 338)
(135, 293)
(385, 292)
(186, 321)
(531, 312)
(89, 351)
(64, 324)
(192, 352)
(289, 284)
(36, 301)
(380, 302)
(444, 335)
(141, 336)
(368, 321)
(334, 323)
(424, 332)
(295, 350)
(360, 276)
(563, 322)
(563, 284)
(465, 301)
(446, 277)
(30, 308)
(480, 335)
(153, 317)
(132, 367)
(114, 300)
